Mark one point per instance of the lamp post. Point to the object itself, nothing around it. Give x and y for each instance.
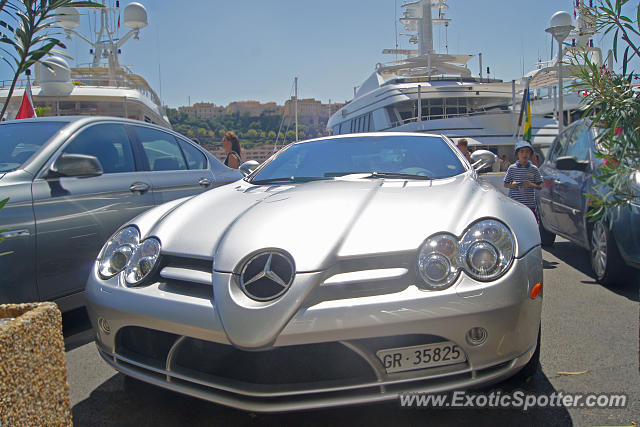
(560, 26)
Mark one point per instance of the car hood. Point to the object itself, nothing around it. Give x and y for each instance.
(320, 222)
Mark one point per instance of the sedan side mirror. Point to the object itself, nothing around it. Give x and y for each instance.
(571, 163)
(481, 159)
(76, 165)
(248, 167)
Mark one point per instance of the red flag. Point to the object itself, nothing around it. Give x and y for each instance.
(26, 110)
(118, 21)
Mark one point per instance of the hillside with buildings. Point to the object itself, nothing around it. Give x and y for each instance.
(259, 126)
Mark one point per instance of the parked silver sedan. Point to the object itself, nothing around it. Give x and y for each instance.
(344, 270)
(71, 182)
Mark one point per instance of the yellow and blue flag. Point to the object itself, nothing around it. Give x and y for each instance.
(527, 119)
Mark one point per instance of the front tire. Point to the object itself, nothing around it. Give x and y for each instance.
(606, 262)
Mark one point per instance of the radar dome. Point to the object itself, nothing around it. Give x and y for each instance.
(55, 79)
(68, 18)
(58, 70)
(135, 16)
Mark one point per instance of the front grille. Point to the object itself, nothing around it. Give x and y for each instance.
(186, 276)
(331, 366)
(279, 366)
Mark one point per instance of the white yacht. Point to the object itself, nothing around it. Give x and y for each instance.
(436, 92)
(104, 87)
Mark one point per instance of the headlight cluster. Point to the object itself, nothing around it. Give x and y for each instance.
(484, 252)
(124, 251)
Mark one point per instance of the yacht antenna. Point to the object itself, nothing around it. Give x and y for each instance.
(107, 44)
(395, 22)
(296, 107)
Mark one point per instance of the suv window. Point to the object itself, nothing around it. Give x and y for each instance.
(578, 145)
(161, 149)
(560, 145)
(195, 159)
(108, 142)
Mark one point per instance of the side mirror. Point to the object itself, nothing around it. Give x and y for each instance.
(571, 163)
(481, 159)
(248, 167)
(76, 165)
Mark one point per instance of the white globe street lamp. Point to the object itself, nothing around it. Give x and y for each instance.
(559, 27)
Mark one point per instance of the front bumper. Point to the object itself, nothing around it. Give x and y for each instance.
(325, 355)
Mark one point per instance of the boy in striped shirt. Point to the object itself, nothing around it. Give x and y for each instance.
(523, 177)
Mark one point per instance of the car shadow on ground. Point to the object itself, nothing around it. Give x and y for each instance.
(76, 329)
(578, 258)
(123, 401)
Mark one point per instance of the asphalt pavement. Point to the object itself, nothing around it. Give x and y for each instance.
(590, 344)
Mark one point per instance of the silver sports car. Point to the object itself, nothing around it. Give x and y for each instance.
(343, 270)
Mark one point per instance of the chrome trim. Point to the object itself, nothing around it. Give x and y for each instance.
(14, 233)
(187, 275)
(565, 207)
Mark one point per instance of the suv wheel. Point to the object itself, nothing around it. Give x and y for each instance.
(606, 261)
(546, 237)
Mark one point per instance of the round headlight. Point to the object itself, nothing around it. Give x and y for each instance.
(142, 262)
(438, 261)
(482, 258)
(487, 249)
(117, 251)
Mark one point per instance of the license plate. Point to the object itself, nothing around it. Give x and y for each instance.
(421, 356)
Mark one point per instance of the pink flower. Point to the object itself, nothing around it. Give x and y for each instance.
(610, 161)
(618, 131)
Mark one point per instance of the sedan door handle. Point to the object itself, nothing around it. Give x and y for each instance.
(204, 182)
(14, 233)
(140, 187)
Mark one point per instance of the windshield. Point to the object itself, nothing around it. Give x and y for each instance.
(393, 156)
(18, 141)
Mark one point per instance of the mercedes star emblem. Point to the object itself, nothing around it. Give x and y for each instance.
(267, 275)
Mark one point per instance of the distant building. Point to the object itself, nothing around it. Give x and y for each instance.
(202, 110)
(254, 108)
(311, 112)
(259, 153)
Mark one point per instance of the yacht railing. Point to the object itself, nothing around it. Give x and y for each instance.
(426, 117)
(92, 81)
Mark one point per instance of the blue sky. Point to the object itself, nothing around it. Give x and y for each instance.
(222, 51)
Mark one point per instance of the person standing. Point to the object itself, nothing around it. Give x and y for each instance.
(504, 163)
(231, 146)
(523, 177)
(463, 146)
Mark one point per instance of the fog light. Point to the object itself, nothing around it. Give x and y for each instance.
(477, 336)
(104, 326)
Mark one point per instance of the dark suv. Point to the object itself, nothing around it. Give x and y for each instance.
(563, 206)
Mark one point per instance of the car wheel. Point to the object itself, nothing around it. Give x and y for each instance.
(546, 237)
(532, 366)
(606, 261)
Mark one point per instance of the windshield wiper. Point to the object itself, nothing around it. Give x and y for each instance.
(292, 179)
(397, 175)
